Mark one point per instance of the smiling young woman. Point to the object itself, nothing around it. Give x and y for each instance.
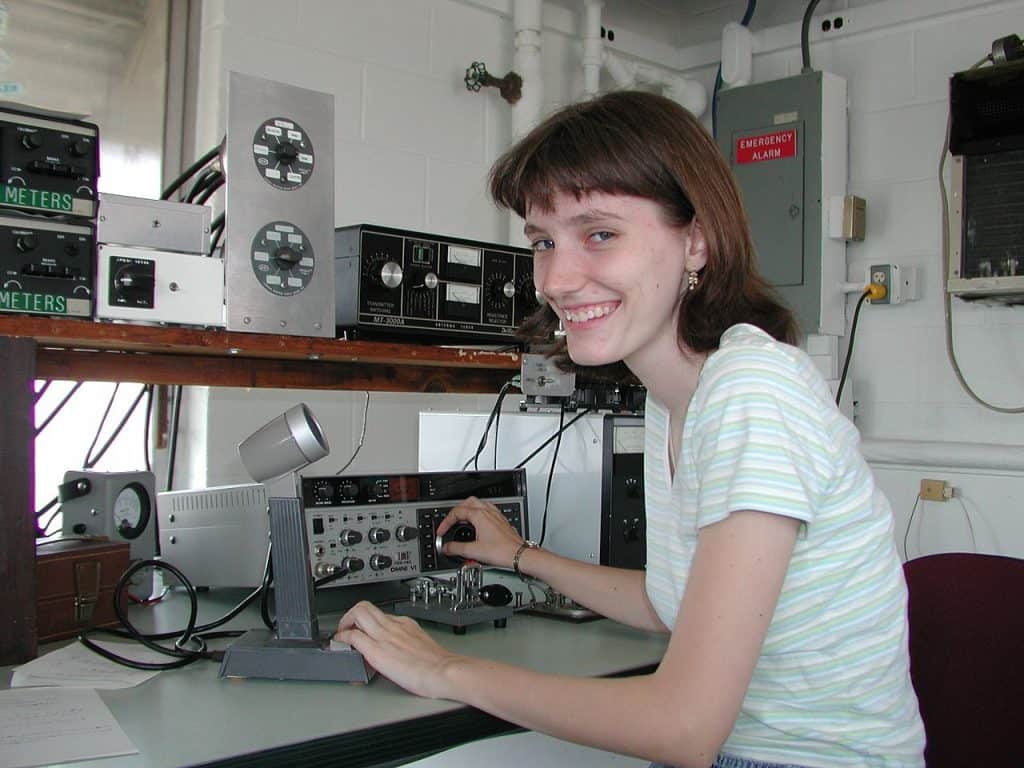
(770, 551)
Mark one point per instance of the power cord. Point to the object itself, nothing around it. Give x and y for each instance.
(362, 436)
(492, 417)
(873, 291)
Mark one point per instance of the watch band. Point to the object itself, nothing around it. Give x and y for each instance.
(519, 553)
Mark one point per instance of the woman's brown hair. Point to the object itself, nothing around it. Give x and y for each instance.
(646, 145)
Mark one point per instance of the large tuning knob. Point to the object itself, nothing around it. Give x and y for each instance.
(390, 274)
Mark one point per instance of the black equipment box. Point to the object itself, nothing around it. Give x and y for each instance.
(46, 266)
(49, 163)
(413, 284)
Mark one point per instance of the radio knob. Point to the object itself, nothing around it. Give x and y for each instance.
(26, 243)
(352, 564)
(32, 140)
(379, 535)
(379, 562)
(348, 537)
(286, 257)
(79, 148)
(349, 489)
(324, 492)
(391, 274)
(286, 152)
(406, 533)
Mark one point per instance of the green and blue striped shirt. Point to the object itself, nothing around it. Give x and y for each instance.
(832, 686)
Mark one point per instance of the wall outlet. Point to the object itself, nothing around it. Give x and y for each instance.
(936, 490)
(900, 282)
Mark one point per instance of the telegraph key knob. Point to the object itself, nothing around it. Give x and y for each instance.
(496, 594)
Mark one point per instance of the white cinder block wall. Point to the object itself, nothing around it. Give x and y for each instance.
(413, 148)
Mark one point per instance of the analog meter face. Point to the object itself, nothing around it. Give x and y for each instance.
(131, 511)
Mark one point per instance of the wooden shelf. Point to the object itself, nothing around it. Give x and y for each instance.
(83, 350)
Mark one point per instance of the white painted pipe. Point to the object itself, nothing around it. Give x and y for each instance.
(526, 62)
(1008, 458)
(626, 74)
(593, 47)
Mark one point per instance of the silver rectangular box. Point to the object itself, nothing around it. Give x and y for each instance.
(160, 224)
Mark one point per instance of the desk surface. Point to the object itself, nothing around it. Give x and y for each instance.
(190, 716)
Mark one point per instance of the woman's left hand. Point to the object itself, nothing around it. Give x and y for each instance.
(398, 648)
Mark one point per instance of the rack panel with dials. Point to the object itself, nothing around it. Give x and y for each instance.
(418, 285)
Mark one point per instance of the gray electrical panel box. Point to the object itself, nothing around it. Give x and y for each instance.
(786, 143)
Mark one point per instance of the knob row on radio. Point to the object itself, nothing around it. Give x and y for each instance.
(378, 562)
(348, 537)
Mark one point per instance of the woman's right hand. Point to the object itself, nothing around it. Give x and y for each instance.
(496, 540)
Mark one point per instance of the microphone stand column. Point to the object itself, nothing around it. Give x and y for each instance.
(296, 650)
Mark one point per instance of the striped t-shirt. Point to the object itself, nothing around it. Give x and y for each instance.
(832, 685)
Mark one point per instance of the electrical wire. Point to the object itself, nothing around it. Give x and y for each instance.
(970, 525)
(216, 232)
(190, 171)
(210, 190)
(747, 16)
(172, 439)
(947, 301)
(910, 522)
(849, 348)
(543, 445)
(207, 177)
(58, 408)
(362, 436)
(42, 390)
(90, 463)
(146, 427)
(474, 459)
(805, 36)
(551, 473)
(99, 429)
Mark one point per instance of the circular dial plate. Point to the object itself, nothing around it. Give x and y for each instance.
(282, 258)
(131, 511)
(283, 153)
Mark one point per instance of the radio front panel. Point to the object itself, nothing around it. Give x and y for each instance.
(384, 527)
(406, 283)
(46, 267)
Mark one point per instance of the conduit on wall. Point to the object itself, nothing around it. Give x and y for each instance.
(1008, 458)
(629, 74)
(526, 20)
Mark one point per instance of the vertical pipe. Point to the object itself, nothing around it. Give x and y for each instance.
(526, 20)
(593, 47)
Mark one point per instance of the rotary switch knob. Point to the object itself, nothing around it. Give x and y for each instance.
(286, 152)
(379, 535)
(31, 140)
(390, 274)
(352, 564)
(348, 537)
(406, 533)
(379, 562)
(25, 243)
(286, 257)
(425, 279)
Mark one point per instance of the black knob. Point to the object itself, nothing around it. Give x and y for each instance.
(406, 533)
(352, 564)
(348, 537)
(461, 532)
(32, 140)
(631, 530)
(496, 594)
(286, 152)
(26, 242)
(79, 147)
(378, 535)
(72, 249)
(286, 257)
(633, 488)
(349, 489)
(379, 562)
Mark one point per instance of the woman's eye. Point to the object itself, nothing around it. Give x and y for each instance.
(602, 236)
(542, 245)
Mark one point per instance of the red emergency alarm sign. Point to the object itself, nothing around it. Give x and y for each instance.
(766, 146)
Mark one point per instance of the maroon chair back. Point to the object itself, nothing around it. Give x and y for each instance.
(967, 657)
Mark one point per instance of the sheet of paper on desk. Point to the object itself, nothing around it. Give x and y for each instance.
(75, 666)
(40, 726)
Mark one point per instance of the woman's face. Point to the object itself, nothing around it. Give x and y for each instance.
(613, 270)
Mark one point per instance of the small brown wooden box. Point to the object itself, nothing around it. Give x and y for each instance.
(76, 585)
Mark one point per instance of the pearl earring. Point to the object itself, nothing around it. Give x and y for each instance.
(692, 278)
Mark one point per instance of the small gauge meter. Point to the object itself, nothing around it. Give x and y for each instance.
(131, 511)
